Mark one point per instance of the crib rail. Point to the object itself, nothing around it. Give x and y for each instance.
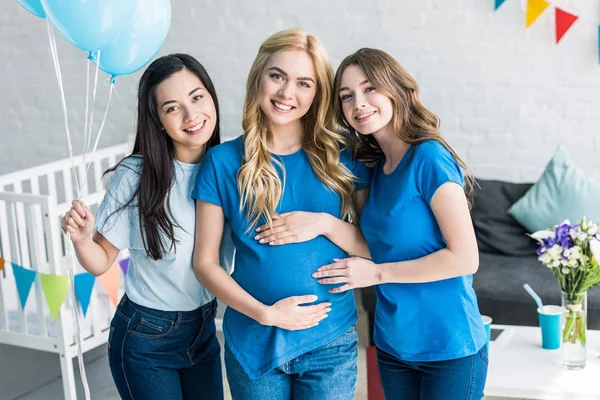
(55, 179)
(31, 203)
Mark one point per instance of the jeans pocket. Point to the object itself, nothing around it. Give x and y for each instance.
(150, 327)
(483, 353)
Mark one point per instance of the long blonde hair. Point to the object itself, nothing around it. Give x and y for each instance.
(411, 121)
(258, 182)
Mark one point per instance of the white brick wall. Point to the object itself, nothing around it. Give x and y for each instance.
(506, 96)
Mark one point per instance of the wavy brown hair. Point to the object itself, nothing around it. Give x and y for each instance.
(412, 122)
(258, 182)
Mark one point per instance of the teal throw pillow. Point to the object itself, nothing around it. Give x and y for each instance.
(563, 192)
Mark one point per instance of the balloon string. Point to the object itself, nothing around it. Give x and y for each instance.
(87, 107)
(62, 96)
(71, 261)
(88, 132)
(75, 316)
(87, 168)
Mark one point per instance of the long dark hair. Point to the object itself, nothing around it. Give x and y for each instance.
(157, 151)
(411, 120)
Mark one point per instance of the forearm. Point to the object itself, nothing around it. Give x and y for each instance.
(346, 236)
(437, 266)
(225, 288)
(92, 256)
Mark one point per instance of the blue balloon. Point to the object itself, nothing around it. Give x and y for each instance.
(89, 24)
(139, 42)
(34, 7)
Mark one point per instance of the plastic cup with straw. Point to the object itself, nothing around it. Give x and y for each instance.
(550, 319)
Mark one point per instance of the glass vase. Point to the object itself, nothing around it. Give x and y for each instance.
(574, 330)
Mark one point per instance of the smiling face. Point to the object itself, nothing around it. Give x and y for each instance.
(287, 87)
(366, 110)
(187, 113)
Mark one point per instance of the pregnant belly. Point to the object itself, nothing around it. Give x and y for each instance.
(282, 272)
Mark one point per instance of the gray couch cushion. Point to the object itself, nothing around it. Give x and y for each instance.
(497, 232)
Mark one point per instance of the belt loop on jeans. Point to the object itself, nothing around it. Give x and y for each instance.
(178, 320)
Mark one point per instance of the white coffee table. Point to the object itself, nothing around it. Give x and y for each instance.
(520, 368)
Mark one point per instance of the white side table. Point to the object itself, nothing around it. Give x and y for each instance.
(521, 368)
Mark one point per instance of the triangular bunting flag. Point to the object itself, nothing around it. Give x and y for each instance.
(55, 288)
(564, 21)
(24, 279)
(124, 265)
(498, 3)
(535, 8)
(84, 283)
(1, 263)
(110, 281)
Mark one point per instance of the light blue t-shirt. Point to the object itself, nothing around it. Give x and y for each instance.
(418, 321)
(168, 284)
(271, 273)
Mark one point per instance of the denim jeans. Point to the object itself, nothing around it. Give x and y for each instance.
(326, 373)
(171, 355)
(460, 379)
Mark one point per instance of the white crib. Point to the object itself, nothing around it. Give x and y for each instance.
(31, 203)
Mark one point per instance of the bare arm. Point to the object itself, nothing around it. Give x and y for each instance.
(95, 254)
(459, 258)
(287, 313)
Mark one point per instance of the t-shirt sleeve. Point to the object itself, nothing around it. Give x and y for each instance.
(362, 173)
(436, 167)
(206, 186)
(113, 219)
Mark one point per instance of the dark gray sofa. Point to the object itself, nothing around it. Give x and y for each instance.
(507, 260)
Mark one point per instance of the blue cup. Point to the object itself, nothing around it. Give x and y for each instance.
(550, 321)
(487, 324)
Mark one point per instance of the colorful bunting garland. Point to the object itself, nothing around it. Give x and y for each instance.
(56, 287)
(110, 281)
(535, 8)
(498, 4)
(563, 20)
(84, 283)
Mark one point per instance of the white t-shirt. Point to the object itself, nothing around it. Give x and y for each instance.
(168, 284)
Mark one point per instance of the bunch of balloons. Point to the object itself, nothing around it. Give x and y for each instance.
(128, 33)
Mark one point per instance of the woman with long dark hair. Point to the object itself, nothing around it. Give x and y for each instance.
(162, 341)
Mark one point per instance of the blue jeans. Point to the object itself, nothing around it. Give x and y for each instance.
(460, 379)
(326, 373)
(171, 355)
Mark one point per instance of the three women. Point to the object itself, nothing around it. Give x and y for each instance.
(292, 193)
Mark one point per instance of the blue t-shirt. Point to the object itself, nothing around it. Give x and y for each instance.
(271, 273)
(168, 284)
(432, 321)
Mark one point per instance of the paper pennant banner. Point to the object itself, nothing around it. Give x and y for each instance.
(535, 8)
(55, 288)
(110, 281)
(498, 3)
(124, 265)
(564, 21)
(24, 279)
(1, 263)
(84, 284)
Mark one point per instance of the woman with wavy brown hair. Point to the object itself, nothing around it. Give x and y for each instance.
(286, 189)
(428, 331)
